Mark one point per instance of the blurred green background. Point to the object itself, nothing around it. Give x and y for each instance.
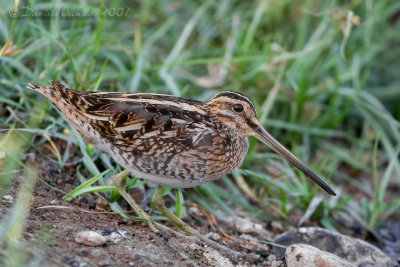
(324, 76)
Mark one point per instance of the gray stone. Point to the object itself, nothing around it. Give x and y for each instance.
(271, 258)
(90, 238)
(214, 236)
(215, 258)
(245, 226)
(96, 253)
(300, 255)
(277, 226)
(351, 249)
(277, 264)
(117, 236)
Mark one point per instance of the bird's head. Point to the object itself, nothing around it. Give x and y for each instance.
(237, 113)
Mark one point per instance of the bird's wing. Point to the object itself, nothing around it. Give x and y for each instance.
(144, 122)
(135, 121)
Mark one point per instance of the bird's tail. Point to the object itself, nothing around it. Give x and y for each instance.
(71, 105)
(61, 96)
(53, 92)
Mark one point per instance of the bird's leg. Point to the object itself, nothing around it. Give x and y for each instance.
(159, 204)
(120, 187)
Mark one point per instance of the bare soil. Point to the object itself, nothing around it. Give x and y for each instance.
(49, 235)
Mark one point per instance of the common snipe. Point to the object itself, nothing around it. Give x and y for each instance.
(167, 140)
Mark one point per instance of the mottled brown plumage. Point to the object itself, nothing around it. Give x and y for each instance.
(168, 140)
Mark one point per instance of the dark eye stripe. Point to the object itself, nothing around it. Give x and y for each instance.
(237, 96)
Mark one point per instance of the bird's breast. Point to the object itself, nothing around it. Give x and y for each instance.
(227, 153)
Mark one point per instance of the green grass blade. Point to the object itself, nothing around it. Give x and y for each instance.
(84, 187)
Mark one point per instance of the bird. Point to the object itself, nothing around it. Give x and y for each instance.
(167, 140)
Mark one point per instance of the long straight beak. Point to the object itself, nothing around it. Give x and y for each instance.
(266, 138)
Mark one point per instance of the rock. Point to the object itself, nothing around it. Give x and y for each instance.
(271, 258)
(117, 236)
(185, 214)
(96, 252)
(214, 258)
(214, 236)
(272, 262)
(101, 203)
(90, 238)
(389, 238)
(277, 227)
(278, 264)
(138, 257)
(194, 210)
(8, 199)
(114, 235)
(71, 261)
(300, 255)
(353, 250)
(245, 226)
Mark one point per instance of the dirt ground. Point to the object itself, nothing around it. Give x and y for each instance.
(50, 233)
(49, 236)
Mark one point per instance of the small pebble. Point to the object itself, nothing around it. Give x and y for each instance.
(245, 226)
(255, 259)
(194, 210)
(101, 204)
(138, 257)
(276, 263)
(8, 199)
(115, 237)
(71, 261)
(277, 226)
(90, 238)
(271, 258)
(185, 214)
(214, 236)
(96, 253)
(303, 230)
(300, 255)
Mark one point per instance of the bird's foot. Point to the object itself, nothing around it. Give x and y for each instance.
(158, 203)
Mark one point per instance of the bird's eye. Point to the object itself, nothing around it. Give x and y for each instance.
(238, 108)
